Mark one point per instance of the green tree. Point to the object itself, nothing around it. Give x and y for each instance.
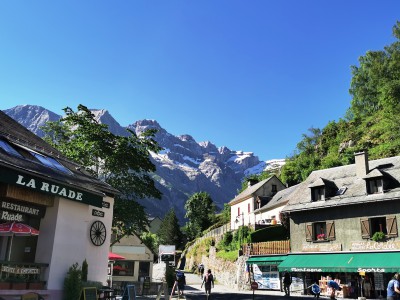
(200, 211)
(170, 232)
(151, 240)
(122, 162)
(371, 122)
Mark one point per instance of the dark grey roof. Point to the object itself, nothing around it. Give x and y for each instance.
(250, 190)
(17, 134)
(345, 176)
(280, 198)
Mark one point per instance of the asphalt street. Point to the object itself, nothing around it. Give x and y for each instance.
(193, 291)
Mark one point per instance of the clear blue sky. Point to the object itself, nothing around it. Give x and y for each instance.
(249, 75)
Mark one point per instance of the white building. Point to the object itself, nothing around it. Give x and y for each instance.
(72, 210)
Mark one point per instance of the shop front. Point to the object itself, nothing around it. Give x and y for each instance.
(363, 274)
(265, 271)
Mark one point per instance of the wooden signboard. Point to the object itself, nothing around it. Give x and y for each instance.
(89, 293)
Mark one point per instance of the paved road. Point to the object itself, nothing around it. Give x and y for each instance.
(194, 291)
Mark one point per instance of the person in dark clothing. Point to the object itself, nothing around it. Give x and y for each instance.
(181, 282)
(207, 281)
(287, 281)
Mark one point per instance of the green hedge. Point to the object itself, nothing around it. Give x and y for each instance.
(271, 233)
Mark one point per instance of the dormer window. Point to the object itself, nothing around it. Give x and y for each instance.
(374, 181)
(318, 193)
(321, 189)
(374, 186)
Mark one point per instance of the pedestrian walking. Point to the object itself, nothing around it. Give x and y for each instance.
(208, 280)
(180, 282)
(287, 281)
(393, 288)
(315, 289)
(201, 270)
(334, 287)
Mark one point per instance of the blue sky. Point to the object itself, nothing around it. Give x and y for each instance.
(249, 75)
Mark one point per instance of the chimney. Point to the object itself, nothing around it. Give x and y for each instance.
(362, 167)
(251, 182)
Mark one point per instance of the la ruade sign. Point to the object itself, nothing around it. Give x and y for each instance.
(49, 187)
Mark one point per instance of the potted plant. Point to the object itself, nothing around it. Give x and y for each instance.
(321, 237)
(379, 236)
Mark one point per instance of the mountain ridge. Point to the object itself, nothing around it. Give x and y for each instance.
(183, 167)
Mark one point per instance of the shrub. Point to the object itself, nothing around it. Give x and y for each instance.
(84, 270)
(73, 283)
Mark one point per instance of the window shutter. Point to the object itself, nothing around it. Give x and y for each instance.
(330, 230)
(309, 232)
(365, 233)
(391, 226)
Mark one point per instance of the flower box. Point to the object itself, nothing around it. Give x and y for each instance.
(37, 285)
(5, 285)
(19, 285)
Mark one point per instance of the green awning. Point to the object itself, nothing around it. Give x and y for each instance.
(342, 262)
(276, 259)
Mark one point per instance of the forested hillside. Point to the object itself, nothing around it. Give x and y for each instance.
(372, 121)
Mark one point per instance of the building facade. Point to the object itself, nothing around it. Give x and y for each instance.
(254, 197)
(343, 225)
(69, 212)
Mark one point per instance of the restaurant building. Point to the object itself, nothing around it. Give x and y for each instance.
(53, 214)
(343, 225)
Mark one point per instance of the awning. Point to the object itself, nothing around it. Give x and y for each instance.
(114, 256)
(378, 262)
(266, 260)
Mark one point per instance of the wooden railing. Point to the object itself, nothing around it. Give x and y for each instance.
(262, 248)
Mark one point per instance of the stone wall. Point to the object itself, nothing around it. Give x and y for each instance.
(232, 274)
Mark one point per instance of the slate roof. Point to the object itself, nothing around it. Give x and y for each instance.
(345, 176)
(279, 199)
(249, 191)
(17, 134)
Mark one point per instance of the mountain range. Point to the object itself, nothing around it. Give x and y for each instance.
(183, 167)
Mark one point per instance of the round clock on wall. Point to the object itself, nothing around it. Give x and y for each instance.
(98, 233)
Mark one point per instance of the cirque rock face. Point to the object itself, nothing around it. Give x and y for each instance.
(184, 166)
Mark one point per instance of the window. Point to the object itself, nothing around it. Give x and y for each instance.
(238, 211)
(248, 207)
(50, 162)
(8, 148)
(274, 189)
(387, 225)
(318, 193)
(320, 231)
(374, 186)
(26, 153)
(123, 268)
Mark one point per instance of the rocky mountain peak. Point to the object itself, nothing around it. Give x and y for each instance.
(183, 167)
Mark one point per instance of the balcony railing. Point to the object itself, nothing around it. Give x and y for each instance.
(262, 248)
